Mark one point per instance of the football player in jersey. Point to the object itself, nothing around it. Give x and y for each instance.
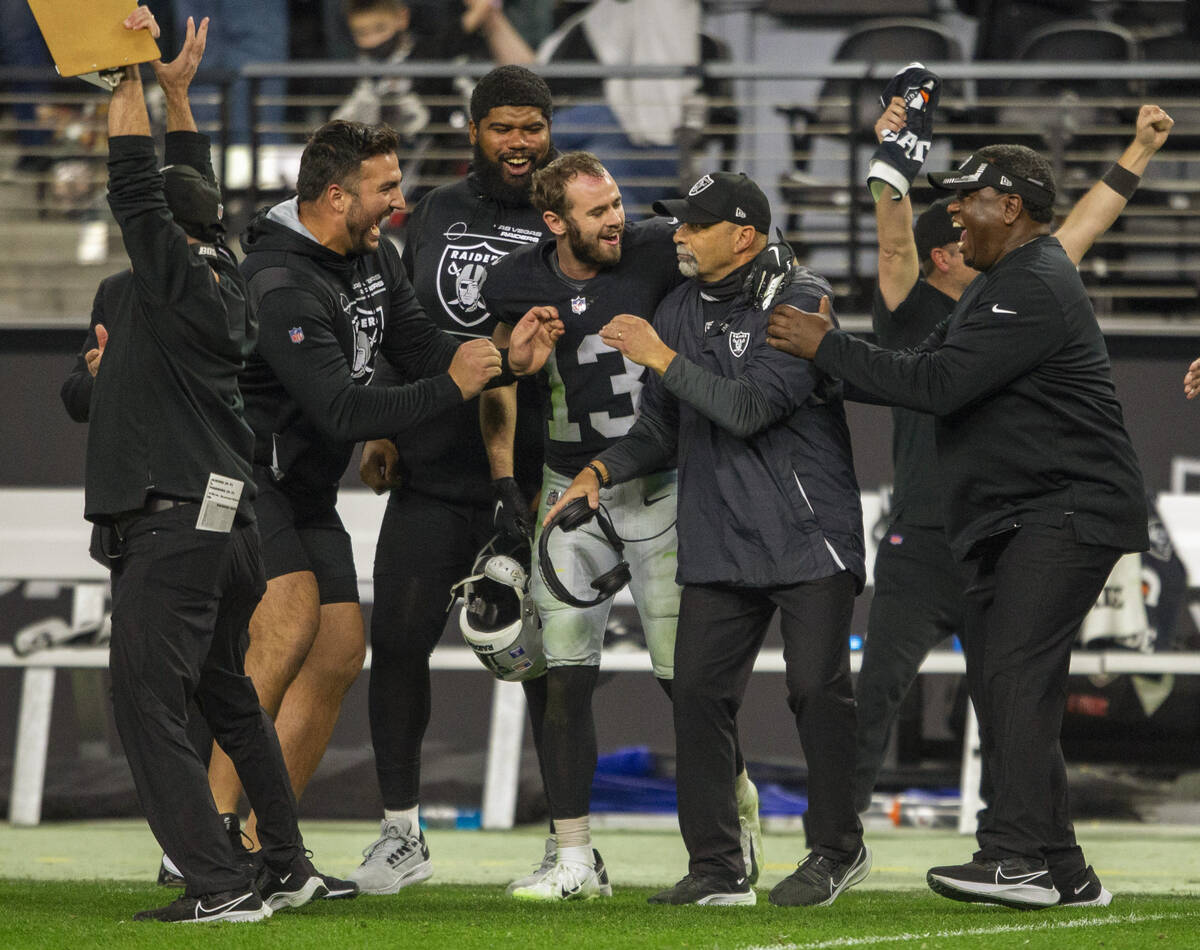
(442, 508)
(595, 267)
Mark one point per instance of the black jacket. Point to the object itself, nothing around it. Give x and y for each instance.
(165, 410)
(1029, 427)
(767, 493)
(323, 318)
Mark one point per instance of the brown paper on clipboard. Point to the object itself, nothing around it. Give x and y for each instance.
(86, 35)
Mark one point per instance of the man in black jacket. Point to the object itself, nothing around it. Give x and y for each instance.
(169, 486)
(1042, 494)
(330, 295)
(769, 519)
(443, 506)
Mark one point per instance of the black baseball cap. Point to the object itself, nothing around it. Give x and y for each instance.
(195, 202)
(721, 196)
(976, 173)
(935, 229)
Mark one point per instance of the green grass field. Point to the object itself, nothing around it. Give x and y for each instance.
(76, 886)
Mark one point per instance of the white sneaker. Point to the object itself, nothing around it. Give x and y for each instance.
(569, 881)
(751, 832)
(549, 859)
(396, 859)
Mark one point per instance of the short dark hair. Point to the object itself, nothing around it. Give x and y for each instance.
(510, 86)
(1028, 164)
(351, 7)
(549, 191)
(335, 153)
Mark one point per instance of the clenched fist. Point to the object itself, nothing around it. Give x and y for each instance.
(474, 363)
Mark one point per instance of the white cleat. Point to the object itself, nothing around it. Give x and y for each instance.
(569, 881)
(549, 859)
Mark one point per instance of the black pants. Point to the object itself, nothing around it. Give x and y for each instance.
(918, 602)
(721, 630)
(425, 547)
(1030, 592)
(182, 599)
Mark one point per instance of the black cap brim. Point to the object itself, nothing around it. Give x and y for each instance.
(685, 212)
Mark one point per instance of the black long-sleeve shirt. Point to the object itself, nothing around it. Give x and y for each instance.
(166, 412)
(1029, 427)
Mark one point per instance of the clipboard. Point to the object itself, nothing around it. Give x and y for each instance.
(86, 36)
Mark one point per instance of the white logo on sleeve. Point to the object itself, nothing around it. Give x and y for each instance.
(996, 308)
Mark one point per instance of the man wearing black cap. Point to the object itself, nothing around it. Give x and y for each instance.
(918, 597)
(1042, 495)
(443, 506)
(769, 519)
(169, 488)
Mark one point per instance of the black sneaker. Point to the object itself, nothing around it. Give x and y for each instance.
(336, 888)
(707, 891)
(243, 858)
(1085, 890)
(235, 906)
(293, 887)
(1019, 882)
(819, 879)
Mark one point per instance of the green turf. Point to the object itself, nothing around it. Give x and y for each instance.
(463, 917)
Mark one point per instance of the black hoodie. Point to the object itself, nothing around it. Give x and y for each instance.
(322, 319)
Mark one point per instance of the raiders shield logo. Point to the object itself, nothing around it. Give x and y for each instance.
(462, 272)
(703, 183)
(738, 342)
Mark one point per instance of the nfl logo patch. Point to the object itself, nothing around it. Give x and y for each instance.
(578, 304)
(296, 334)
(895, 539)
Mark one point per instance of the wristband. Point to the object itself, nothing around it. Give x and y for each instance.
(599, 474)
(1121, 180)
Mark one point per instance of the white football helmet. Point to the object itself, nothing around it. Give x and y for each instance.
(498, 619)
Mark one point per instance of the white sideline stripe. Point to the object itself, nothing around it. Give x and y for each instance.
(1073, 924)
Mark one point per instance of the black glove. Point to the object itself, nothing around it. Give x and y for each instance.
(769, 272)
(899, 157)
(511, 516)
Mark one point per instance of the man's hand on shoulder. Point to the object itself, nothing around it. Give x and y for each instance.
(475, 363)
(799, 332)
(93, 356)
(532, 340)
(636, 339)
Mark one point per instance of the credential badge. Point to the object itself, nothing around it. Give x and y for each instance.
(738, 342)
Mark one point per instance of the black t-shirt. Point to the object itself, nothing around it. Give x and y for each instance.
(589, 390)
(917, 496)
(456, 234)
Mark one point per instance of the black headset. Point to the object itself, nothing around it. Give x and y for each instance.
(572, 515)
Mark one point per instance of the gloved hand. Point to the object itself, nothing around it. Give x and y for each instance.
(511, 516)
(899, 157)
(769, 272)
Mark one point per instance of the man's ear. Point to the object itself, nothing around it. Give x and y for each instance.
(1013, 206)
(941, 260)
(557, 226)
(472, 131)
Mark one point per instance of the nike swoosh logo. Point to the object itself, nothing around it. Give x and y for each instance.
(220, 907)
(285, 879)
(654, 501)
(996, 308)
(1022, 878)
(567, 892)
(1081, 888)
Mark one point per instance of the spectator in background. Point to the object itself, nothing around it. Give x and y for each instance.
(427, 112)
(242, 33)
(633, 130)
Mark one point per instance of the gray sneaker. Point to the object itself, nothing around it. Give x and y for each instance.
(548, 861)
(396, 859)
